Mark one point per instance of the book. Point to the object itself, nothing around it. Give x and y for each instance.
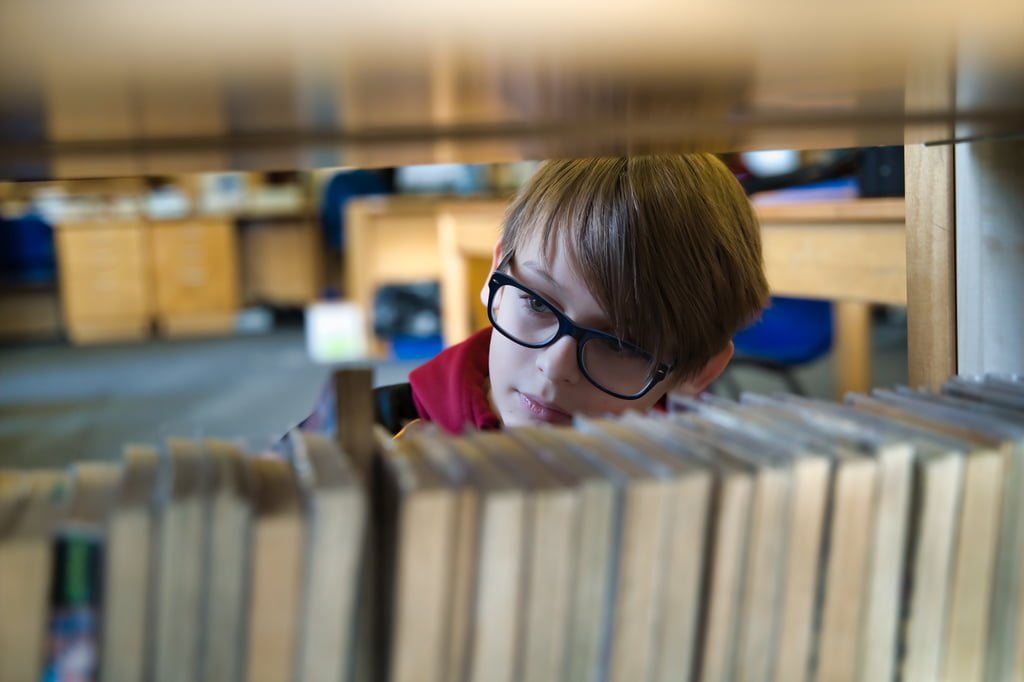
(811, 471)
(894, 456)
(681, 578)
(276, 570)
(937, 487)
(179, 571)
(550, 556)
(425, 508)
(494, 630)
(30, 508)
(226, 550)
(646, 515)
(78, 560)
(335, 509)
(129, 573)
(595, 537)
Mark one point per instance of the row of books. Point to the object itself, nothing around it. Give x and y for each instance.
(196, 561)
(774, 538)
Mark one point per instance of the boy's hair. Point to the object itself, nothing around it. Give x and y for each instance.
(668, 246)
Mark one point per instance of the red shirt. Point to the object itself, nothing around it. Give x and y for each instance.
(451, 389)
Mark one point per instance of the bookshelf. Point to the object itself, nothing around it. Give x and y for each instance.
(111, 88)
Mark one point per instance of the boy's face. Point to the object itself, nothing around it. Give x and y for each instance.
(530, 385)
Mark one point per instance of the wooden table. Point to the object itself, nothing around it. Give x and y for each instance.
(852, 252)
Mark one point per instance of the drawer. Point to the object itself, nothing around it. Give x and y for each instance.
(104, 270)
(195, 266)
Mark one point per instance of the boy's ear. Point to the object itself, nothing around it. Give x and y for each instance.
(711, 371)
(495, 259)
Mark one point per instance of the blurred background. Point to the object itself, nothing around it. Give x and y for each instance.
(218, 303)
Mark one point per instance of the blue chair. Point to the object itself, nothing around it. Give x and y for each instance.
(791, 333)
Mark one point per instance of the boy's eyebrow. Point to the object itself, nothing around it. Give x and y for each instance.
(539, 269)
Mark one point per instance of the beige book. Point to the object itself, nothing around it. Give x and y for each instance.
(931, 529)
(129, 570)
(811, 464)
(93, 486)
(336, 513)
(179, 575)
(880, 625)
(646, 517)
(594, 537)
(938, 480)
(975, 557)
(30, 508)
(845, 578)
(424, 508)
(727, 544)
(551, 521)
(978, 552)
(226, 575)
(996, 419)
(767, 539)
(276, 563)
(884, 578)
(681, 580)
(938, 485)
(493, 642)
(442, 457)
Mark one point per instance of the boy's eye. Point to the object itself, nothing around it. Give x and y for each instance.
(535, 304)
(616, 347)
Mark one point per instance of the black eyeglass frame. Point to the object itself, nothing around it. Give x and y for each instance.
(566, 327)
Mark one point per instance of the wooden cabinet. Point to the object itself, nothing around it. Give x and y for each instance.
(104, 279)
(281, 262)
(195, 275)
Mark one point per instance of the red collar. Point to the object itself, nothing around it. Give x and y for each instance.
(451, 389)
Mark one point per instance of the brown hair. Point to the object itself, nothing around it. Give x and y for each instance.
(667, 245)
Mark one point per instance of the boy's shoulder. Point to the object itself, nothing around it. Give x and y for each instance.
(451, 389)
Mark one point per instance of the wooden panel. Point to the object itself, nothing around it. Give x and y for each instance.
(930, 174)
(478, 270)
(883, 210)
(990, 256)
(106, 330)
(931, 265)
(195, 266)
(29, 314)
(468, 232)
(104, 279)
(852, 347)
(853, 261)
(281, 263)
(388, 243)
(197, 324)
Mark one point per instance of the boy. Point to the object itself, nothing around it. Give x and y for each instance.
(615, 280)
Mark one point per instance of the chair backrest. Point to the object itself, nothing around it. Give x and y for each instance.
(792, 331)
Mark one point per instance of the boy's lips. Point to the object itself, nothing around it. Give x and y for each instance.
(538, 409)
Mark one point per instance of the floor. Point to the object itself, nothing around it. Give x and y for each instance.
(60, 403)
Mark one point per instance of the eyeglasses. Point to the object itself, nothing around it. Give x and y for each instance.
(615, 366)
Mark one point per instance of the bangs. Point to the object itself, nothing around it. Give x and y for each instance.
(668, 246)
(589, 209)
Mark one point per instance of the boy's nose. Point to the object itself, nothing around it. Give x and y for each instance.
(558, 363)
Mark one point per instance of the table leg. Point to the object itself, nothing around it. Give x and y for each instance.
(852, 344)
